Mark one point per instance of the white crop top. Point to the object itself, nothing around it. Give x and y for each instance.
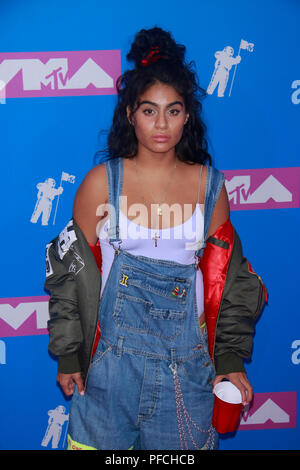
(177, 243)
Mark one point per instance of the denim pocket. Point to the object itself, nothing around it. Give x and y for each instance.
(100, 353)
(154, 286)
(141, 316)
(166, 324)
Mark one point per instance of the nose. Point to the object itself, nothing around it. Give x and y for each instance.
(161, 121)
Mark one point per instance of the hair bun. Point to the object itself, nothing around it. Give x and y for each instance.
(158, 39)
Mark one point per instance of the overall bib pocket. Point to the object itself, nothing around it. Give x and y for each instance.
(151, 304)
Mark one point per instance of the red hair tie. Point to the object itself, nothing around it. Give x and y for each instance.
(152, 56)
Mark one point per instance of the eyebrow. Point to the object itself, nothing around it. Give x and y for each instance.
(156, 105)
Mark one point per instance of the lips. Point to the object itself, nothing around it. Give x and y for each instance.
(161, 138)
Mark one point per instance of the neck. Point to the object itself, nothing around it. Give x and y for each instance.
(158, 161)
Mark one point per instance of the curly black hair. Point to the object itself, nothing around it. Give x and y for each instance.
(169, 67)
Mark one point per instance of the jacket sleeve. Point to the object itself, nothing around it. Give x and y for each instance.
(234, 298)
(243, 299)
(65, 334)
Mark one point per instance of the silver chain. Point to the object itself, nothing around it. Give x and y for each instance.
(159, 210)
(188, 419)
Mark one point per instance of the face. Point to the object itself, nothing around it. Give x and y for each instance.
(159, 119)
(51, 182)
(229, 51)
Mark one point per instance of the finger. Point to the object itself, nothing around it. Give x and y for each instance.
(68, 387)
(236, 380)
(79, 383)
(66, 384)
(249, 389)
(218, 379)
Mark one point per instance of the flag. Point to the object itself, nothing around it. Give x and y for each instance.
(66, 177)
(246, 45)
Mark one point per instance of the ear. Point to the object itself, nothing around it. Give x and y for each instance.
(186, 118)
(129, 115)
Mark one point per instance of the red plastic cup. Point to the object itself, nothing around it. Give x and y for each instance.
(227, 407)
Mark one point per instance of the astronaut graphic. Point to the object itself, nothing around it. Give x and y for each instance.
(223, 65)
(46, 194)
(56, 421)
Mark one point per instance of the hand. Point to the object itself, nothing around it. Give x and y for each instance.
(67, 381)
(239, 379)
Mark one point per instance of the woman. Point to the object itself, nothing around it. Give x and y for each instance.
(147, 384)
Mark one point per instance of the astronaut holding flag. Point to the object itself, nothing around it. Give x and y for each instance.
(46, 194)
(57, 418)
(223, 65)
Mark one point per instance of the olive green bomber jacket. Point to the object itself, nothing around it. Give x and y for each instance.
(74, 282)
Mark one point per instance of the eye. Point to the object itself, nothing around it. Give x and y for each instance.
(174, 112)
(148, 111)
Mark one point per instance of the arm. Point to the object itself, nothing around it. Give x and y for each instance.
(221, 212)
(238, 378)
(90, 203)
(244, 297)
(64, 325)
(65, 322)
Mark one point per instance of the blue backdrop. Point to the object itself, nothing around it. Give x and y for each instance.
(49, 131)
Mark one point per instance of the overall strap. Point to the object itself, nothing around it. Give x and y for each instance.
(114, 170)
(199, 183)
(214, 183)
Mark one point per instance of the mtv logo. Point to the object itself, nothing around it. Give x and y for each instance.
(267, 188)
(271, 411)
(23, 316)
(59, 73)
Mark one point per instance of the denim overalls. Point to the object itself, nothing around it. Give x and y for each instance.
(150, 381)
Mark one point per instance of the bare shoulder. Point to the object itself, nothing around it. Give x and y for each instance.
(90, 199)
(95, 178)
(221, 211)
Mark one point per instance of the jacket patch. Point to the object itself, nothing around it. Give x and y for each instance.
(77, 263)
(49, 269)
(65, 239)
